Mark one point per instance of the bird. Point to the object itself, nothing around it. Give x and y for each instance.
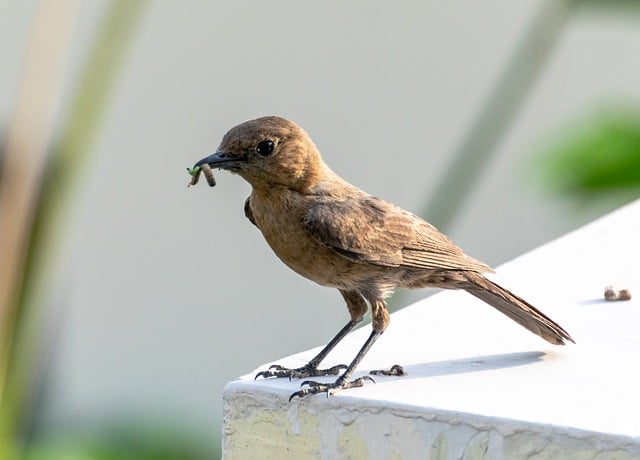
(337, 235)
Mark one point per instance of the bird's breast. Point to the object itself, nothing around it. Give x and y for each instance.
(280, 217)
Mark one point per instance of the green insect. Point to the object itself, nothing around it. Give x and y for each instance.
(195, 174)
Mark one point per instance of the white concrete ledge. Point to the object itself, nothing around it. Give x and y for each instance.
(478, 385)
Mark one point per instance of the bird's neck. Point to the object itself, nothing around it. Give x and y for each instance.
(309, 180)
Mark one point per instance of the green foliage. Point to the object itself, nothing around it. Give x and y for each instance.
(146, 441)
(600, 155)
(80, 127)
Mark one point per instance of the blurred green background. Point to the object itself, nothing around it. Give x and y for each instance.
(124, 304)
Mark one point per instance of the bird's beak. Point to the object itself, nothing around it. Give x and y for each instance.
(220, 160)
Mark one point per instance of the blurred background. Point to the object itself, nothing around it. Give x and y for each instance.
(127, 301)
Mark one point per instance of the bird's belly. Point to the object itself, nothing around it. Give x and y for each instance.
(294, 245)
(304, 255)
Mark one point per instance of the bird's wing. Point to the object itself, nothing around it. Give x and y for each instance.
(370, 230)
(360, 229)
(432, 249)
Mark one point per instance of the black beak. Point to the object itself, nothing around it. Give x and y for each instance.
(220, 159)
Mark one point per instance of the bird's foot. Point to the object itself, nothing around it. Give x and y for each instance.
(329, 388)
(301, 372)
(396, 371)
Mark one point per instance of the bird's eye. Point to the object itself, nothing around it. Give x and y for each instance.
(264, 148)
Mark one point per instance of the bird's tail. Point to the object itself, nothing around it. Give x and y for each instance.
(519, 310)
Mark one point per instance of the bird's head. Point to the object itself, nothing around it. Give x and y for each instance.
(269, 151)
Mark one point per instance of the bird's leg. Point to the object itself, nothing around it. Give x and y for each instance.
(357, 308)
(380, 320)
(311, 368)
(342, 382)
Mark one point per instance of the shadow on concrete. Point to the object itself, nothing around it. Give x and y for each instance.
(466, 365)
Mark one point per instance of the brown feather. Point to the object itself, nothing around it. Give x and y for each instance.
(370, 230)
(516, 308)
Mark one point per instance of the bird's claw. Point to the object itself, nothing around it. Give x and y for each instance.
(396, 370)
(278, 371)
(314, 387)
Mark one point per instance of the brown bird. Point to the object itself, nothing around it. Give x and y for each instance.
(335, 234)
